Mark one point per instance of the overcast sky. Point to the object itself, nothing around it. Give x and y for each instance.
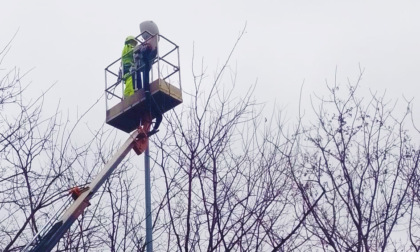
(286, 43)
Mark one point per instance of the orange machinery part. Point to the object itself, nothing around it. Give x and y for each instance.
(142, 139)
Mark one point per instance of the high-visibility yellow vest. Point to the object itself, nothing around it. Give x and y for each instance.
(127, 55)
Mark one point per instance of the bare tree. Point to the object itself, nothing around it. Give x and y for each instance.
(361, 154)
(226, 173)
(40, 162)
(24, 137)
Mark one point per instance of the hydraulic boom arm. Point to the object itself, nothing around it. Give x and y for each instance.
(49, 236)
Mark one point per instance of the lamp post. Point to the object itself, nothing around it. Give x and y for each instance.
(148, 28)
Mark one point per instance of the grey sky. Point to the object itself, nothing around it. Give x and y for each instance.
(286, 43)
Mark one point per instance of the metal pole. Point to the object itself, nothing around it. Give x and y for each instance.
(149, 239)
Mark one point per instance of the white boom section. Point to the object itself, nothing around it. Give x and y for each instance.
(94, 186)
(47, 241)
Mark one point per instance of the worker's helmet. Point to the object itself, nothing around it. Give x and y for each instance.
(130, 39)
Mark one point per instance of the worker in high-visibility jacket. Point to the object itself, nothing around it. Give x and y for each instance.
(127, 63)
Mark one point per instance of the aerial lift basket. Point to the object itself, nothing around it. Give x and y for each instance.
(165, 89)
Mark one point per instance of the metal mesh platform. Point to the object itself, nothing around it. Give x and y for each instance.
(126, 115)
